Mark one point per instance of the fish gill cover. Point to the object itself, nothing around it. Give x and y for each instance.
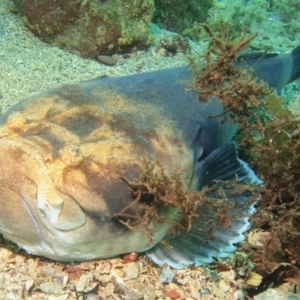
(269, 140)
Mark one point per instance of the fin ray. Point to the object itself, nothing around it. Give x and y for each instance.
(206, 239)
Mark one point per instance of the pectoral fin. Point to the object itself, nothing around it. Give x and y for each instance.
(207, 239)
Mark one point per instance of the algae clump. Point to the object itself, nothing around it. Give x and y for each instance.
(269, 141)
(90, 27)
(177, 15)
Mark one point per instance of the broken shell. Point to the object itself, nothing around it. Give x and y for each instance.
(254, 279)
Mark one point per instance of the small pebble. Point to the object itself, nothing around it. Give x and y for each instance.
(223, 286)
(51, 288)
(107, 60)
(161, 52)
(166, 275)
(205, 291)
(131, 270)
(270, 294)
(29, 285)
(254, 279)
(131, 257)
(173, 294)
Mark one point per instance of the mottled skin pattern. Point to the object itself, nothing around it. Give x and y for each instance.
(63, 153)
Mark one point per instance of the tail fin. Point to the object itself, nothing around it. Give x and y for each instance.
(296, 64)
(207, 240)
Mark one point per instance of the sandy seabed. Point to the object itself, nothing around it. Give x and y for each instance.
(27, 66)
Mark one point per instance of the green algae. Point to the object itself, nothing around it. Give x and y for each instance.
(178, 15)
(277, 21)
(90, 27)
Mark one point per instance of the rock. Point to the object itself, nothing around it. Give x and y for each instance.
(146, 289)
(227, 275)
(51, 288)
(254, 279)
(131, 257)
(5, 254)
(177, 15)
(131, 270)
(90, 27)
(109, 61)
(126, 292)
(205, 291)
(29, 285)
(291, 296)
(158, 294)
(276, 294)
(166, 275)
(173, 294)
(271, 294)
(161, 51)
(218, 292)
(223, 286)
(175, 44)
(239, 295)
(258, 238)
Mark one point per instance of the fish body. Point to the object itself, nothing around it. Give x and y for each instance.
(69, 154)
(110, 125)
(277, 69)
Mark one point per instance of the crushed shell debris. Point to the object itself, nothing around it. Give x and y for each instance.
(25, 277)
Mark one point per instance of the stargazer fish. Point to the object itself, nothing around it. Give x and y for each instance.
(70, 158)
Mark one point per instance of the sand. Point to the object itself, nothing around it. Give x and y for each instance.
(27, 66)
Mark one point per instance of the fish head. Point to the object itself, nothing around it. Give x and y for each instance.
(72, 175)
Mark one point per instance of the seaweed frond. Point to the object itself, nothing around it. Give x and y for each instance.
(161, 193)
(237, 88)
(269, 142)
